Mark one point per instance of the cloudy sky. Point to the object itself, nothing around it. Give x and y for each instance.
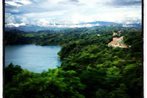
(51, 12)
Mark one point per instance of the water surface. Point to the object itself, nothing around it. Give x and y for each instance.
(33, 57)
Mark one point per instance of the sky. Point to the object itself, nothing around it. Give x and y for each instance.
(70, 12)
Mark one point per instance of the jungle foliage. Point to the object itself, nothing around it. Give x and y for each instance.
(89, 69)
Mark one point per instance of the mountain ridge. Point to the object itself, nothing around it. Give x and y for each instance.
(36, 28)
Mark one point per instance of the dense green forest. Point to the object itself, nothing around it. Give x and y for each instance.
(89, 69)
(54, 37)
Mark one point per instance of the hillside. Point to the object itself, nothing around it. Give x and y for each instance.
(89, 69)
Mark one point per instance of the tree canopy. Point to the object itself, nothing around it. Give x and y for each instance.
(89, 69)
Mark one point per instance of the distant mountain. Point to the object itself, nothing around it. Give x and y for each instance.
(27, 28)
(31, 28)
(135, 25)
(35, 28)
(102, 23)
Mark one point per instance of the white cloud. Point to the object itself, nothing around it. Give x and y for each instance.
(12, 3)
(24, 2)
(9, 18)
(15, 24)
(69, 12)
(17, 3)
(42, 22)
